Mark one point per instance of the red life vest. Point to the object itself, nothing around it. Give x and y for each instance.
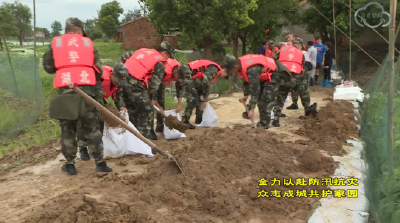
(269, 53)
(141, 64)
(198, 64)
(292, 58)
(171, 63)
(74, 60)
(250, 60)
(106, 83)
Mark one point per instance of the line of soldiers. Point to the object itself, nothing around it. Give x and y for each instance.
(137, 84)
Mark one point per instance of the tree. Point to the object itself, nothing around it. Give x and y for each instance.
(131, 15)
(23, 16)
(8, 23)
(56, 28)
(206, 22)
(92, 29)
(44, 30)
(108, 17)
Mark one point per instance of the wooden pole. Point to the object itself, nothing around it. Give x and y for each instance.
(350, 40)
(334, 33)
(392, 41)
(34, 50)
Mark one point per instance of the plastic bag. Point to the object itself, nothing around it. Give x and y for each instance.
(210, 118)
(114, 140)
(284, 106)
(172, 134)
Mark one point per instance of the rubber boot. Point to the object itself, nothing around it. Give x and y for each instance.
(292, 107)
(316, 79)
(69, 169)
(189, 125)
(323, 83)
(160, 129)
(312, 81)
(84, 153)
(328, 83)
(103, 168)
(198, 120)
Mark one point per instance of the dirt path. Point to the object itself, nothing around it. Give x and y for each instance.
(24, 190)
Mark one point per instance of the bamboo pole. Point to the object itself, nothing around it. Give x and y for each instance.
(350, 40)
(392, 40)
(334, 34)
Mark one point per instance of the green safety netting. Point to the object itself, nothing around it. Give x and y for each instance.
(21, 95)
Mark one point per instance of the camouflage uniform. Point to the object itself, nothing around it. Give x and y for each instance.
(121, 73)
(161, 100)
(195, 89)
(137, 97)
(89, 120)
(299, 83)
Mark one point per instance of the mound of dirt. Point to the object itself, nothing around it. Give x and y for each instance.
(331, 128)
(222, 166)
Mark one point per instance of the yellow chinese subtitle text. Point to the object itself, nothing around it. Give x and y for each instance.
(309, 182)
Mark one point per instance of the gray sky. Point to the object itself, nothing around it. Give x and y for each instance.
(49, 10)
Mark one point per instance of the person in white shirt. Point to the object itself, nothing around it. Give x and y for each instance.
(312, 51)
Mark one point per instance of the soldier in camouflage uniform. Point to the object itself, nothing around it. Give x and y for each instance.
(118, 77)
(299, 83)
(140, 100)
(262, 92)
(197, 90)
(87, 113)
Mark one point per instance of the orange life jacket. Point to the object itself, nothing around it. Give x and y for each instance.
(141, 64)
(198, 64)
(292, 58)
(269, 53)
(171, 63)
(106, 83)
(250, 60)
(74, 60)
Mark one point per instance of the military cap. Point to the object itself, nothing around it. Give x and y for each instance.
(121, 73)
(298, 40)
(165, 46)
(286, 33)
(230, 62)
(75, 22)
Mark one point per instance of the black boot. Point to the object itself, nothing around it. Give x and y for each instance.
(282, 115)
(307, 113)
(160, 129)
(69, 169)
(189, 125)
(153, 135)
(84, 153)
(316, 79)
(276, 123)
(245, 116)
(292, 107)
(198, 120)
(312, 82)
(261, 125)
(103, 168)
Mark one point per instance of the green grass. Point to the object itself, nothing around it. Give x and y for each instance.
(45, 129)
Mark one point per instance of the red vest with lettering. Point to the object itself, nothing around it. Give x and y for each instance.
(250, 60)
(198, 64)
(269, 53)
(171, 63)
(74, 60)
(141, 64)
(292, 58)
(106, 83)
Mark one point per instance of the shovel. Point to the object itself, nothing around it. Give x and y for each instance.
(172, 122)
(110, 117)
(248, 112)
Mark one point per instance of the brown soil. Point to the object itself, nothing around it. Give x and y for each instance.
(172, 122)
(111, 122)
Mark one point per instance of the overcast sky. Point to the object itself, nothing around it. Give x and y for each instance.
(49, 10)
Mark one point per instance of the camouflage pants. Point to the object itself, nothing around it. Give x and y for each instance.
(265, 101)
(140, 111)
(301, 88)
(90, 129)
(294, 95)
(81, 136)
(161, 102)
(192, 95)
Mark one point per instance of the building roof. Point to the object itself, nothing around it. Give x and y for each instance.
(135, 20)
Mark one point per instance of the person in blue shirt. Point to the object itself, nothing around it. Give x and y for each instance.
(321, 49)
(261, 50)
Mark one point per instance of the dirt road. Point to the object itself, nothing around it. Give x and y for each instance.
(222, 165)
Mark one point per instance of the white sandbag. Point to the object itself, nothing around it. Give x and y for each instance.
(172, 134)
(348, 93)
(210, 118)
(134, 145)
(284, 106)
(337, 215)
(114, 140)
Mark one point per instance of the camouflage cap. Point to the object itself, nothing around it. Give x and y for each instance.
(165, 46)
(298, 40)
(75, 22)
(286, 33)
(230, 62)
(121, 73)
